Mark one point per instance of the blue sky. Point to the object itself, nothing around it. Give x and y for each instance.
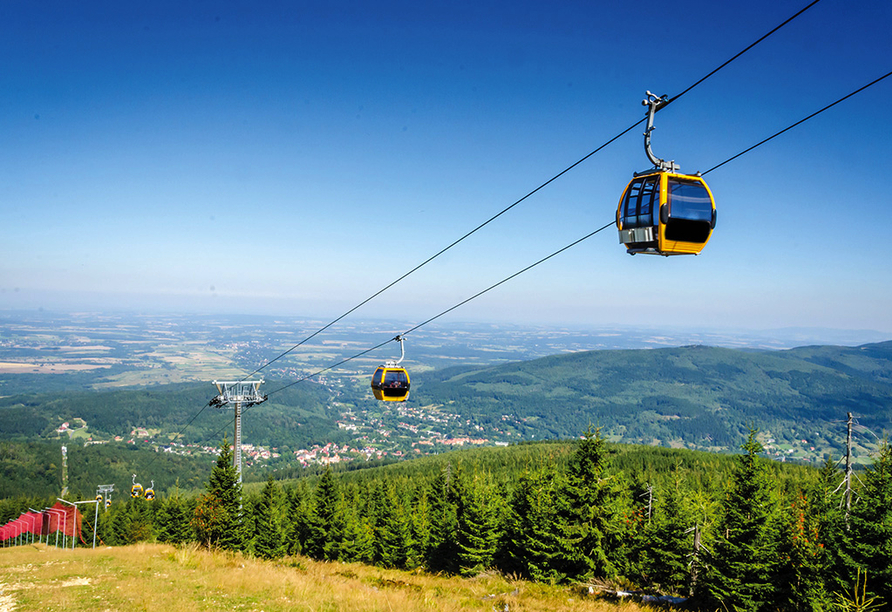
(294, 157)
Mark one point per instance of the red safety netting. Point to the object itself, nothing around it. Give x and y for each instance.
(66, 519)
(10, 530)
(60, 518)
(33, 522)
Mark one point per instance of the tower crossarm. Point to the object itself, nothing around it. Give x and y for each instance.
(244, 392)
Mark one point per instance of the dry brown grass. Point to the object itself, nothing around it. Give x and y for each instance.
(158, 577)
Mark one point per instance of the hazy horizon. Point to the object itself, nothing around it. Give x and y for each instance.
(610, 335)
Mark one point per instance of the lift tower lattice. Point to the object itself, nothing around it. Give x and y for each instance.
(105, 491)
(241, 394)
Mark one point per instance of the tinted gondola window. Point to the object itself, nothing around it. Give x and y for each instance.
(690, 212)
(395, 378)
(641, 202)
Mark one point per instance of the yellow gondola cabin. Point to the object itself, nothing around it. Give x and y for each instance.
(666, 213)
(390, 382)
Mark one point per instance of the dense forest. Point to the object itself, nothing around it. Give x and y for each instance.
(724, 531)
(727, 532)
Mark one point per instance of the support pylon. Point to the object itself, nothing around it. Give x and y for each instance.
(848, 496)
(241, 394)
(105, 491)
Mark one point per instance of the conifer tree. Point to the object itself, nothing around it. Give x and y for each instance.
(326, 519)
(172, 523)
(268, 540)
(477, 535)
(391, 528)
(297, 520)
(741, 568)
(530, 545)
(667, 544)
(443, 555)
(119, 524)
(585, 510)
(825, 499)
(810, 545)
(131, 523)
(218, 519)
(800, 583)
(869, 538)
(625, 538)
(162, 521)
(375, 508)
(624, 520)
(358, 542)
(420, 529)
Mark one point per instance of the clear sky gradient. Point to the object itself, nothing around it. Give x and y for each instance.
(293, 158)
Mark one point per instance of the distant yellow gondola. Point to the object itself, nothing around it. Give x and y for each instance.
(390, 382)
(662, 211)
(136, 489)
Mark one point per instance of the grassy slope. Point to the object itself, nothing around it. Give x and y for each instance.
(158, 577)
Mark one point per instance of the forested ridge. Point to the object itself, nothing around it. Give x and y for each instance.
(698, 396)
(35, 468)
(293, 416)
(694, 397)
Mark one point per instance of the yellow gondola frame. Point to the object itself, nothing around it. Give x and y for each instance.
(657, 236)
(390, 382)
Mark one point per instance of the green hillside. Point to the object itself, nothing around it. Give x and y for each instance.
(637, 463)
(697, 396)
(294, 417)
(34, 469)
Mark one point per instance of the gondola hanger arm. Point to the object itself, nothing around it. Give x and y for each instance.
(653, 104)
(402, 349)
